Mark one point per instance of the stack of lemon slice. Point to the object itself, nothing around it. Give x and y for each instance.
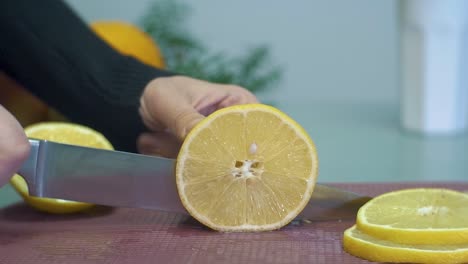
(414, 225)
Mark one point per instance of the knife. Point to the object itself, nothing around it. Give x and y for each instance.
(122, 179)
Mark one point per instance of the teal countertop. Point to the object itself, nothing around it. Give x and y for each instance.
(364, 143)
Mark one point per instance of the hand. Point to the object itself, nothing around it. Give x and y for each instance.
(171, 106)
(14, 146)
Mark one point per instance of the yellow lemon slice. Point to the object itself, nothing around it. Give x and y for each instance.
(63, 133)
(246, 168)
(368, 247)
(417, 216)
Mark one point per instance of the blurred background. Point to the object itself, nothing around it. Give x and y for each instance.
(327, 50)
(334, 66)
(335, 62)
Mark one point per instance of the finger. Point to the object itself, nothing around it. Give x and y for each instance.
(148, 118)
(173, 109)
(248, 97)
(177, 121)
(14, 146)
(238, 98)
(184, 121)
(232, 95)
(238, 95)
(231, 100)
(159, 144)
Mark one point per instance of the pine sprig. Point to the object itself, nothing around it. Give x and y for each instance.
(185, 54)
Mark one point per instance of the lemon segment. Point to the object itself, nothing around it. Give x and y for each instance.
(49, 205)
(370, 248)
(67, 133)
(246, 168)
(417, 216)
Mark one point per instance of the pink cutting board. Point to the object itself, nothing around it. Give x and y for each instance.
(107, 235)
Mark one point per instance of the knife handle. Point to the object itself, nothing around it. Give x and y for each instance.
(29, 168)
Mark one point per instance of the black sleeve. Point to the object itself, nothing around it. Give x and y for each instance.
(47, 48)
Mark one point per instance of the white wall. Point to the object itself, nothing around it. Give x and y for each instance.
(331, 50)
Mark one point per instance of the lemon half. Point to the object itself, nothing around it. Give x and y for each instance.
(246, 168)
(63, 133)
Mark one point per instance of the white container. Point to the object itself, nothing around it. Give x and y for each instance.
(434, 62)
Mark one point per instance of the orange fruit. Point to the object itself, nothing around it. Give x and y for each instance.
(246, 168)
(129, 40)
(63, 133)
(27, 108)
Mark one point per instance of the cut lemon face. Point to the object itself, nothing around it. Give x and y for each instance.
(63, 133)
(246, 168)
(368, 247)
(417, 216)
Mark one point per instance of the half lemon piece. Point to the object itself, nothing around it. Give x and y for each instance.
(67, 133)
(362, 245)
(246, 168)
(417, 216)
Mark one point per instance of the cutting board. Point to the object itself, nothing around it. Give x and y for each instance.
(121, 235)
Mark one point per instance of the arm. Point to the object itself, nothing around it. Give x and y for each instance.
(51, 52)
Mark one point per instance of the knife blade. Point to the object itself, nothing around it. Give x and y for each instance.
(122, 179)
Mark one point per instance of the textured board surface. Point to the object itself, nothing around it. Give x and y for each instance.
(121, 235)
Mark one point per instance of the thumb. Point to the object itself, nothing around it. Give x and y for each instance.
(184, 121)
(159, 144)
